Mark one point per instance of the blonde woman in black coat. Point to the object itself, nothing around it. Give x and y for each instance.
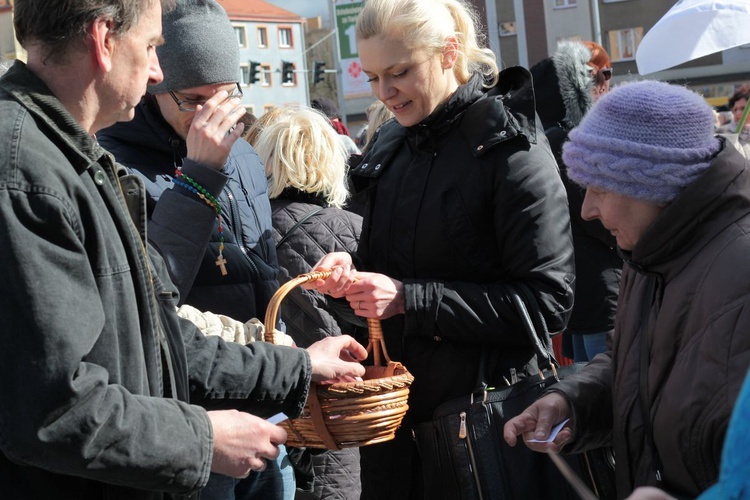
(464, 206)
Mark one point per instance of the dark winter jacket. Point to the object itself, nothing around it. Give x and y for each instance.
(681, 342)
(180, 224)
(309, 315)
(97, 368)
(461, 208)
(563, 88)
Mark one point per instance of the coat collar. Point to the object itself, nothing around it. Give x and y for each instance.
(295, 195)
(34, 95)
(503, 113)
(148, 130)
(706, 207)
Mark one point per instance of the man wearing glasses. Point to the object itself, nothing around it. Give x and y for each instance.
(208, 208)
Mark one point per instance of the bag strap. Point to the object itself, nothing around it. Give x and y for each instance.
(298, 224)
(535, 327)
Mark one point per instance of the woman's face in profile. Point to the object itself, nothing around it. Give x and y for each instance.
(625, 217)
(411, 83)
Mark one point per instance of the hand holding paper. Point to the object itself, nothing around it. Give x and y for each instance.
(537, 424)
(552, 433)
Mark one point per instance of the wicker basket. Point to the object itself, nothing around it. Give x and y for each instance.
(346, 415)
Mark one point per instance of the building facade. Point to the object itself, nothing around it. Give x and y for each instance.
(274, 72)
(9, 47)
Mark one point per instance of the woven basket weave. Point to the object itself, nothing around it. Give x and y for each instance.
(351, 414)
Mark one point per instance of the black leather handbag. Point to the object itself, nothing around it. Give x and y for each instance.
(464, 455)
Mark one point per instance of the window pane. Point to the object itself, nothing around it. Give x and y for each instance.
(285, 37)
(623, 44)
(239, 31)
(262, 37)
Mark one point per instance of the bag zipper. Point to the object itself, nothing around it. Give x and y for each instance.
(463, 434)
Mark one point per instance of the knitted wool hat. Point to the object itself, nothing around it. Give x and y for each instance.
(200, 47)
(646, 140)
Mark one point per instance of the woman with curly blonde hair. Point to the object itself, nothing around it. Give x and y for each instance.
(306, 167)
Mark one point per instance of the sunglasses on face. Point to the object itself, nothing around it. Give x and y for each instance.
(604, 75)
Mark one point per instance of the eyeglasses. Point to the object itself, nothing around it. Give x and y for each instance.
(190, 105)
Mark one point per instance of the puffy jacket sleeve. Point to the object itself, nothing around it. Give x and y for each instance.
(181, 225)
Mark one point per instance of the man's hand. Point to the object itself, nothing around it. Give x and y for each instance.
(336, 358)
(536, 421)
(243, 442)
(214, 130)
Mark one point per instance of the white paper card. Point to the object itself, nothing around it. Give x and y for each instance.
(552, 433)
(277, 419)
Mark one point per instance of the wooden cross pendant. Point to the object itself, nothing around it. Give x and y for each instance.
(221, 262)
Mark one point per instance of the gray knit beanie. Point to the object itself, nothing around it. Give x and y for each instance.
(200, 47)
(646, 140)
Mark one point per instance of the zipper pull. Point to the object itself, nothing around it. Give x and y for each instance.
(462, 428)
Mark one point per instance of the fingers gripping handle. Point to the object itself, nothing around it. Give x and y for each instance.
(376, 344)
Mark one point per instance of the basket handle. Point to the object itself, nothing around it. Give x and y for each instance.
(376, 342)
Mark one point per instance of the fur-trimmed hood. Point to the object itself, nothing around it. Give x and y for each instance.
(563, 85)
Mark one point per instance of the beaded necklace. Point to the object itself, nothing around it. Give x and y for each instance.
(188, 183)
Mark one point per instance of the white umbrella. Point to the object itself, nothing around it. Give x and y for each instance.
(692, 29)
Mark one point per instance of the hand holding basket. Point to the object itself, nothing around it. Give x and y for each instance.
(348, 414)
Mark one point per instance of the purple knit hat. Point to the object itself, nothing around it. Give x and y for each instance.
(646, 140)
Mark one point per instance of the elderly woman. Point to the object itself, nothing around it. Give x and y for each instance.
(677, 199)
(464, 206)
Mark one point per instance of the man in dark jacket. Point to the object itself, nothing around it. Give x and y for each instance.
(219, 249)
(98, 371)
(200, 61)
